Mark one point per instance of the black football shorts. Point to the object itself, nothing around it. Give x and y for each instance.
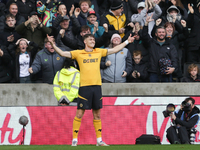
(90, 97)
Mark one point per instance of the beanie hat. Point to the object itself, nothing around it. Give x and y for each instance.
(114, 36)
(117, 4)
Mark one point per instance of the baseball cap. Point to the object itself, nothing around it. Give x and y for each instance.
(91, 12)
(141, 4)
(65, 18)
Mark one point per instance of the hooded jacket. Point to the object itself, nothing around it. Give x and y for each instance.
(66, 84)
(49, 63)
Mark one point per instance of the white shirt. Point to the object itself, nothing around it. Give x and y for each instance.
(24, 60)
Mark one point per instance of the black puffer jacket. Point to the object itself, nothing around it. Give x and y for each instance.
(5, 70)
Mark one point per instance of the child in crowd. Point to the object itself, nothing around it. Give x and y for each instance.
(23, 59)
(93, 23)
(193, 76)
(140, 73)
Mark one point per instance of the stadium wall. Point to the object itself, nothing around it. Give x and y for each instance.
(130, 110)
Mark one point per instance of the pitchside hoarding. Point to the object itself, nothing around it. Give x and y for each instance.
(123, 120)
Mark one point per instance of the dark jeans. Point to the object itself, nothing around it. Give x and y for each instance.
(25, 79)
(181, 137)
(154, 77)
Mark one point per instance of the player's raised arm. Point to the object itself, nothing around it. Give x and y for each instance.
(121, 46)
(58, 50)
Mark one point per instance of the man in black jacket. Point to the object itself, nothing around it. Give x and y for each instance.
(185, 120)
(159, 48)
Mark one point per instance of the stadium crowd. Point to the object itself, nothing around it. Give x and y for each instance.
(166, 46)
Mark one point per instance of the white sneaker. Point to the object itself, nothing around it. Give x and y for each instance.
(74, 143)
(101, 143)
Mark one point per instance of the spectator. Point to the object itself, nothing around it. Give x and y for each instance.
(193, 41)
(193, 74)
(159, 48)
(61, 9)
(173, 15)
(25, 7)
(13, 9)
(176, 38)
(93, 23)
(48, 10)
(142, 9)
(66, 83)
(78, 42)
(62, 22)
(23, 57)
(116, 19)
(117, 66)
(48, 61)
(140, 69)
(137, 44)
(5, 70)
(9, 34)
(33, 30)
(85, 7)
(68, 4)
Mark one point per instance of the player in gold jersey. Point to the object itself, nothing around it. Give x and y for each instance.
(90, 95)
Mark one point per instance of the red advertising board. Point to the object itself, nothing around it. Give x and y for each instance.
(50, 125)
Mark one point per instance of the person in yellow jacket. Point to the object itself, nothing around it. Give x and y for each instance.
(66, 83)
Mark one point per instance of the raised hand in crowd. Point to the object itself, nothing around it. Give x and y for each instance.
(131, 25)
(48, 1)
(183, 23)
(1, 53)
(158, 21)
(71, 10)
(96, 25)
(122, 30)
(10, 38)
(23, 40)
(146, 5)
(105, 26)
(150, 6)
(62, 32)
(149, 19)
(55, 1)
(77, 12)
(190, 8)
(173, 2)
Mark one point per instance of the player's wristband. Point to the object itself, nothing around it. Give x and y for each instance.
(126, 42)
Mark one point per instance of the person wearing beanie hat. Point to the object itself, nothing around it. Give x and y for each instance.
(116, 66)
(193, 45)
(142, 9)
(117, 4)
(116, 19)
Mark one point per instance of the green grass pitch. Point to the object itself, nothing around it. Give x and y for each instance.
(93, 147)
